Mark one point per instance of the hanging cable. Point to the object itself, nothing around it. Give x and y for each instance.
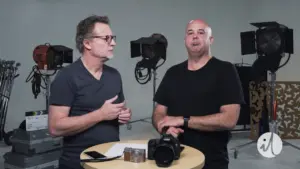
(37, 77)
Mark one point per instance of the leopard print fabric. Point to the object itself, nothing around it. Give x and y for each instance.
(287, 95)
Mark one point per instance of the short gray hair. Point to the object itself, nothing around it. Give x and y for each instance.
(86, 27)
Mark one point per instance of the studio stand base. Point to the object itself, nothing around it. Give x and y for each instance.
(237, 148)
(273, 122)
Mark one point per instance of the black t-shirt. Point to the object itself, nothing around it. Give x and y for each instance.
(76, 87)
(199, 93)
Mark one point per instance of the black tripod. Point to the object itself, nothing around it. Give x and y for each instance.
(129, 126)
(273, 121)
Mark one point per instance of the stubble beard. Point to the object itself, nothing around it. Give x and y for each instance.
(110, 57)
(198, 54)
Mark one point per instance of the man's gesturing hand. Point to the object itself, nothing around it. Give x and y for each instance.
(109, 110)
(169, 121)
(124, 116)
(174, 131)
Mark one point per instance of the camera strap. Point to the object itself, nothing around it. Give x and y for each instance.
(100, 159)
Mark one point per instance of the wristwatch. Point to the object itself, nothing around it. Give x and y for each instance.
(186, 121)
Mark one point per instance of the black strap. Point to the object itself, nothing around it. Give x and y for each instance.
(36, 84)
(99, 159)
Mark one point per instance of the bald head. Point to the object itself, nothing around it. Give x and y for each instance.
(198, 38)
(199, 23)
(197, 20)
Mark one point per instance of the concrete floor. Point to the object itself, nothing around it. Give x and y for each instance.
(248, 157)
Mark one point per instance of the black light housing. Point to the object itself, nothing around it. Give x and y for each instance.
(149, 47)
(152, 49)
(270, 38)
(270, 42)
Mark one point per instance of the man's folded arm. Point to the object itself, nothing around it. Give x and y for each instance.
(60, 124)
(225, 120)
(159, 113)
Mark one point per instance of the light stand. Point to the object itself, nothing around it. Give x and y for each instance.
(152, 49)
(273, 122)
(38, 75)
(46, 77)
(129, 126)
(274, 127)
(154, 87)
(47, 86)
(269, 42)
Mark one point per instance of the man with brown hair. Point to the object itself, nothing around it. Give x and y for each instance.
(199, 99)
(87, 100)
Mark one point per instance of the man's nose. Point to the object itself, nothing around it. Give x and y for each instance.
(195, 36)
(113, 42)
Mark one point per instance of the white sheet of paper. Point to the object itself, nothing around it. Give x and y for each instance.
(118, 148)
(37, 122)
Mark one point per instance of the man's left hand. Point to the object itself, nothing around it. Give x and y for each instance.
(170, 121)
(124, 116)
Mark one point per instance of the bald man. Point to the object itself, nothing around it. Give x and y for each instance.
(199, 99)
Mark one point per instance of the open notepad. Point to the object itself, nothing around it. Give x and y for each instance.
(118, 148)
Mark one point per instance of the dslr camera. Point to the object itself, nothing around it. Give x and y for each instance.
(164, 150)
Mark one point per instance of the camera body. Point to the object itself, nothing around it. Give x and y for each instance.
(135, 155)
(164, 150)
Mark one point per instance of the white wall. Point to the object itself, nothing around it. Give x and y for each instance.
(26, 24)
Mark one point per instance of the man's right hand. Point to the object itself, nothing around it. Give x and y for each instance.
(174, 131)
(110, 110)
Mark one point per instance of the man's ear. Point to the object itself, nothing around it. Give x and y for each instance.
(211, 39)
(86, 44)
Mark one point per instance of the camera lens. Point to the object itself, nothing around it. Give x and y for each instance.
(164, 156)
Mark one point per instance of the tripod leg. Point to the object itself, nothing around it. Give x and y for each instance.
(243, 145)
(287, 143)
(236, 149)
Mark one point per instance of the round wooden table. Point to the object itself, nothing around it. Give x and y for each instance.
(190, 158)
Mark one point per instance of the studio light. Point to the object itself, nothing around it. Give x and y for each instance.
(271, 41)
(47, 58)
(152, 49)
(52, 57)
